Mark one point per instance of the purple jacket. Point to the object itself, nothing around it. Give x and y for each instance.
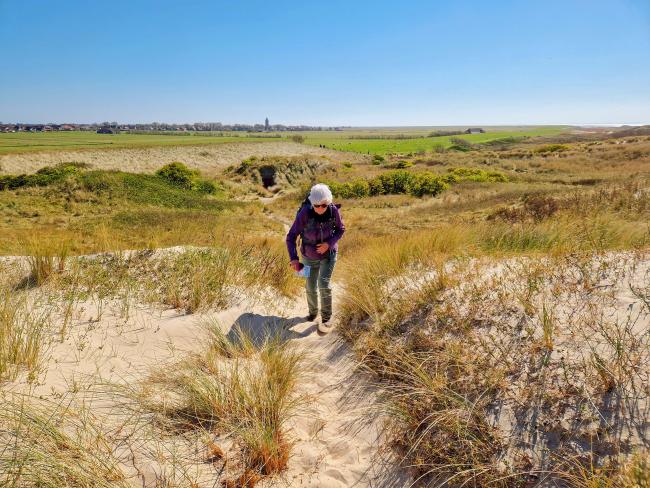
(314, 232)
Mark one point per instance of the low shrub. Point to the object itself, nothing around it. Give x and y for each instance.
(458, 144)
(376, 187)
(552, 148)
(428, 184)
(178, 174)
(401, 164)
(208, 187)
(297, 138)
(391, 182)
(479, 175)
(43, 177)
(358, 188)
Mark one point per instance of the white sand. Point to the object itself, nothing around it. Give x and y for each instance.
(337, 437)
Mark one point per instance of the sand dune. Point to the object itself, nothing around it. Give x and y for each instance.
(209, 159)
(337, 436)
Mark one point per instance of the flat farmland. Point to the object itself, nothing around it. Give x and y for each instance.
(362, 140)
(20, 142)
(388, 141)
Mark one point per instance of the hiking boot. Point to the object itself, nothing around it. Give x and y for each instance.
(325, 327)
(311, 317)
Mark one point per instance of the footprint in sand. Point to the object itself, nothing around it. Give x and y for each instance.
(337, 475)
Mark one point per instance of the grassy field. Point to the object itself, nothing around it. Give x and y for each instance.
(346, 140)
(20, 142)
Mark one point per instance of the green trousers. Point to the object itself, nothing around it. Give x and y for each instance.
(319, 281)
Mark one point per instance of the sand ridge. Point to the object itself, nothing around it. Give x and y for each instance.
(210, 159)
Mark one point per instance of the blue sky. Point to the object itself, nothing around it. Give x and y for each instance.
(332, 62)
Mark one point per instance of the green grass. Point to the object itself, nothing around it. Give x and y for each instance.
(20, 142)
(146, 190)
(101, 210)
(342, 141)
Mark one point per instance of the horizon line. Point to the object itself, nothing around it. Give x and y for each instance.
(564, 124)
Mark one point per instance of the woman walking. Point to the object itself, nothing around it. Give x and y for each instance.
(319, 225)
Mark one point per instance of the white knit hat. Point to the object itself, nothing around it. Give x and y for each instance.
(320, 193)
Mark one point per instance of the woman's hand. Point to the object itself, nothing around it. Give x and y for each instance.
(322, 248)
(295, 264)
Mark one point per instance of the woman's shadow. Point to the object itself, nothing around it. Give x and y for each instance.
(260, 327)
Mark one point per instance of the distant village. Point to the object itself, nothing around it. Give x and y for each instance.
(115, 127)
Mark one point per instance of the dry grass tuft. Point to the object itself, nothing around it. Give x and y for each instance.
(23, 336)
(52, 446)
(239, 387)
(45, 258)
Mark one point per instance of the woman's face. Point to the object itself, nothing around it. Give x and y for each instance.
(320, 208)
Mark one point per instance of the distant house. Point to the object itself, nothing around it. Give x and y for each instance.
(474, 130)
(67, 127)
(106, 130)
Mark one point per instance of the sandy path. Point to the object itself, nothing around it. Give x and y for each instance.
(339, 440)
(338, 436)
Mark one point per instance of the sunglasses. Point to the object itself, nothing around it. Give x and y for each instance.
(322, 205)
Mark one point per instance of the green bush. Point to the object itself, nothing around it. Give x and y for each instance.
(376, 187)
(360, 188)
(178, 174)
(391, 182)
(340, 190)
(183, 177)
(401, 181)
(43, 177)
(428, 184)
(403, 164)
(449, 178)
(377, 159)
(206, 186)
